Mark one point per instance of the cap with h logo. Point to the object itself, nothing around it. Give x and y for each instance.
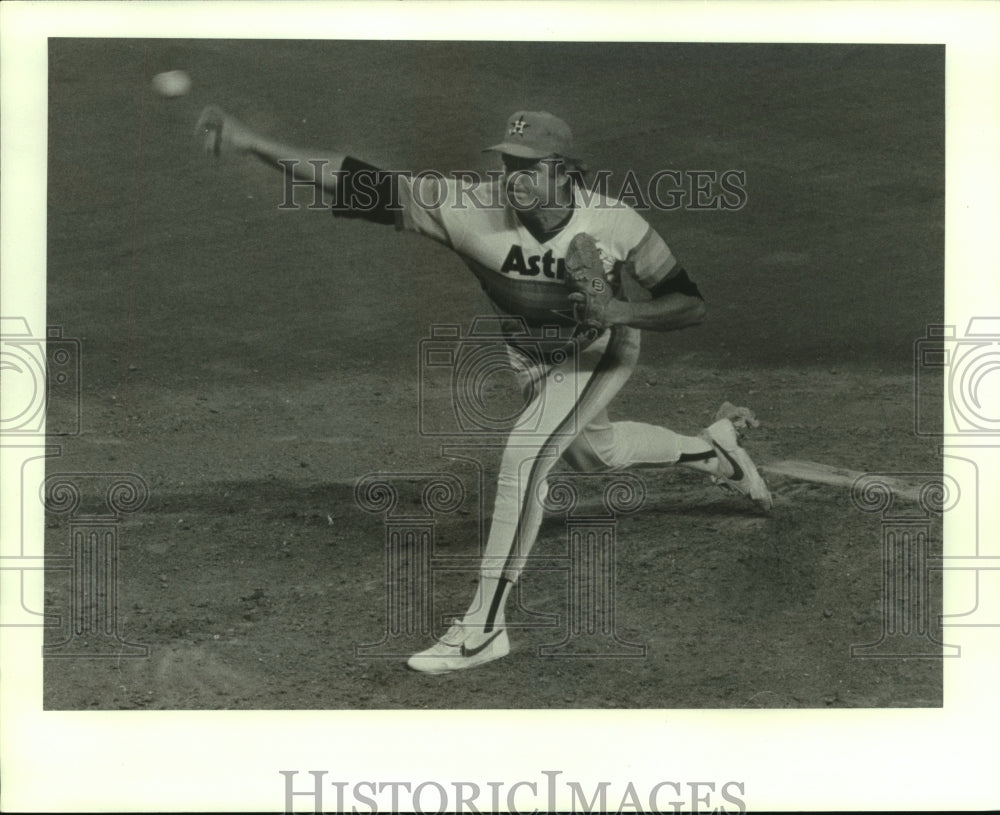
(535, 134)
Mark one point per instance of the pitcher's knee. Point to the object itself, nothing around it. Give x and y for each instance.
(522, 473)
(586, 457)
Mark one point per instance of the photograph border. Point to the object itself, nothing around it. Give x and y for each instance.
(786, 760)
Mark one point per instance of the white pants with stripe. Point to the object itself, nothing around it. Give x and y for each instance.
(566, 417)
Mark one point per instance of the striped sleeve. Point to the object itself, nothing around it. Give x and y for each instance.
(428, 208)
(651, 258)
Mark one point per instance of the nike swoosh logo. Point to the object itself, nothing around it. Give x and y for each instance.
(737, 470)
(471, 652)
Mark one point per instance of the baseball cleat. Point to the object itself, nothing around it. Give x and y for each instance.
(736, 469)
(461, 647)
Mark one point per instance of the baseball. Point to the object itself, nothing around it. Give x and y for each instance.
(172, 83)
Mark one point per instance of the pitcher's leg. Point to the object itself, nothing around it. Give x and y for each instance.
(604, 445)
(572, 395)
(575, 393)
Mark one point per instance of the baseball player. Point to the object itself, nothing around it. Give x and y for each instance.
(556, 261)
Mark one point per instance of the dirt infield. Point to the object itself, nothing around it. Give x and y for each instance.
(248, 365)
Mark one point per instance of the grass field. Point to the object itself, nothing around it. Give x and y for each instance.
(249, 364)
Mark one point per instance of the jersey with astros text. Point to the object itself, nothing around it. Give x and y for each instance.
(524, 275)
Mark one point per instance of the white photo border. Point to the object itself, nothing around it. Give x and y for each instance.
(789, 760)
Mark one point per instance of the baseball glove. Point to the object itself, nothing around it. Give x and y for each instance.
(591, 291)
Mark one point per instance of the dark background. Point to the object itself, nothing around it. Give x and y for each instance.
(251, 363)
(837, 256)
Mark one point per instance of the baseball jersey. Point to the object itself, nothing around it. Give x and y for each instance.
(523, 274)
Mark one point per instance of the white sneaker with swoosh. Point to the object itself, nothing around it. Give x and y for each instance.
(461, 647)
(736, 469)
